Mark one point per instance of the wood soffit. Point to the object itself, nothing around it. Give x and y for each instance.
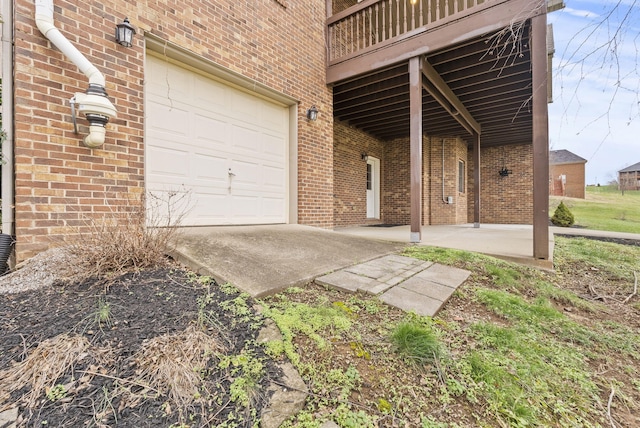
(466, 88)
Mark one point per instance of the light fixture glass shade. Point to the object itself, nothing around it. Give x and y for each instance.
(312, 113)
(124, 33)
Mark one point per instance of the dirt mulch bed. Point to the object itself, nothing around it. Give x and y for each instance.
(92, 355)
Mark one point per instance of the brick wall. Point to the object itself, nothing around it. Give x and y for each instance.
(350, 174)
(340, 5)
(59, 181)
(503, 200)
(629, 180)
(426, 180)
(350, 204)
(574, 186)
(441, 212)
(396, 195)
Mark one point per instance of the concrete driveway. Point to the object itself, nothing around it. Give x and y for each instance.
(262, 260)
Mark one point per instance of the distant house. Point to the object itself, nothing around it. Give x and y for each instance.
(629, 177)
(566, 174)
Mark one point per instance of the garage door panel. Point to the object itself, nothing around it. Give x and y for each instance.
(171, 120)
(169, 163)
(273, 117)
(199, 130)
(245, 207)
(247, 174)
(244, 139)
(243, 107)
(210, 170)
(273, 178)
(156, 78)
(272, 207)
(166, 204)
(274, 147)
(209, 95)
(211, 131)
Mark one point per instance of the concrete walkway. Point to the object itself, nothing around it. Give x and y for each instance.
(262, 260)
(508, 242)
(406, 283)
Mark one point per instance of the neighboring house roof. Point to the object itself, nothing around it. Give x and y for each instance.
(632, 168)
(559, 157)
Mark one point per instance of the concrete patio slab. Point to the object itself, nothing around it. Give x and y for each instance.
(262, 260)
(510, 242)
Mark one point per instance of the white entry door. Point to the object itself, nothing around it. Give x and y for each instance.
(373, 187)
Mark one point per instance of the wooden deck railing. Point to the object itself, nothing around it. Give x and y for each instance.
(372, 23)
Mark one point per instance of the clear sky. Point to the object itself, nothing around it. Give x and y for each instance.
(596, 81)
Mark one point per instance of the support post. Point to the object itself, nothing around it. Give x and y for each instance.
(415, 102)
(539, 60)
(476, 180)
(327, 33)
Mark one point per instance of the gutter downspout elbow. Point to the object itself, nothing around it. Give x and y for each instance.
(44, 21)
(96, 136)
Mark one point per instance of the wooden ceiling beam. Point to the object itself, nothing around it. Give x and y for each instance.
(439, 90)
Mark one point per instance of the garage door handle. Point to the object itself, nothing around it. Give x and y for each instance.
(231, 174)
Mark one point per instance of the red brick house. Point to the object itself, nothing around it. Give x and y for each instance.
(429, 112)
(629, 177)
(566, 174)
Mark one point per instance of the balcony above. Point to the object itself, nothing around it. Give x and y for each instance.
(477, 73)
(373, 34)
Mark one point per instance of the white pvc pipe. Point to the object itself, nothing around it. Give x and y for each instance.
(91, 103)
(8, 180)
(44, 21)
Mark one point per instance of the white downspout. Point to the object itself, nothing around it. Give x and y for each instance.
(8, 180)
(94, 104)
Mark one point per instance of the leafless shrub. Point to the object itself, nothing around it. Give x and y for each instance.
(133, 234)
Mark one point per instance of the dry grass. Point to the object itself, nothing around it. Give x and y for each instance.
(174, 365)
(43, 368)
(132, 235)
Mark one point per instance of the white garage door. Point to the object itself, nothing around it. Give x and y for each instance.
(227, 148)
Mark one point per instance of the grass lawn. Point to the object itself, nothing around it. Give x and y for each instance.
(604, 208)
(514, 347)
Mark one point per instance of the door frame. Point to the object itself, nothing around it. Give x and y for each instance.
(373, 194)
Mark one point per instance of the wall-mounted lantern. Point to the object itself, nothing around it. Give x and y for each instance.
(364, 157)
(504, 172)
(124, 33)
(312, 113)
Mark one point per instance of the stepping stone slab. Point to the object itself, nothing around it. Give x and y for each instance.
(445, 275)
(408, 300)
(428, 288)
(344, 280)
